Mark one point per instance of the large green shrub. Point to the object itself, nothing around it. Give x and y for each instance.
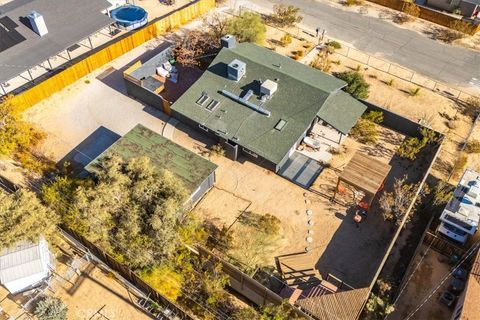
(410, 148)
(247, 27)
(356, 84)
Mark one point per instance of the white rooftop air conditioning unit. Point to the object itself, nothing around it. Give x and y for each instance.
(228, 41)
(236, 70)
(38, 23)
(268, 87)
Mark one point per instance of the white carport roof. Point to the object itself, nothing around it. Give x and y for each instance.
(24, 260)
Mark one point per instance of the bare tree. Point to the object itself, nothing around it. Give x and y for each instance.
(190, 49)
(217, 25)
(395, 204)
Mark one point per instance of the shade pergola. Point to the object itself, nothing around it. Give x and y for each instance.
(364, 173)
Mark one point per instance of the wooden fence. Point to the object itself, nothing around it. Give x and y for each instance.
(128, 275)
(426, 13)
(110, 51)
(248, 287)
(441, 245)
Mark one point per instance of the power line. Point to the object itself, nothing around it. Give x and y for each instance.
(151, 253)
(410, 277)
(188, 295)
(467, 254)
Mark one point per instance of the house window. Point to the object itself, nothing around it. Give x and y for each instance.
(253, 154)
(203, 128)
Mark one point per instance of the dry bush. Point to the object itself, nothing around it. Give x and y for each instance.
(286, 40)
(298, 54)
(394, 205)
(350, 3)
(322, 61)
(285, 16)
(463, 27)
(472, 146)
(411, 10)
(448, 35)
(471, 107)
(460, 165)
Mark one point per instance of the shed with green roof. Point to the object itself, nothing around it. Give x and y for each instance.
(196, 173)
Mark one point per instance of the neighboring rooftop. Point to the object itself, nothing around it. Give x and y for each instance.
(163, 153)
(471, 307)
(300, 93)
(24, 265)
(464, 207)
(67, 22)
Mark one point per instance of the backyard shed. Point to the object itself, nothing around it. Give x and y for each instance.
(364, 173)
(196, 173)
(25, 265)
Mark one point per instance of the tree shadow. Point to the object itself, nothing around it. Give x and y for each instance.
(354, 252)
(443, 166)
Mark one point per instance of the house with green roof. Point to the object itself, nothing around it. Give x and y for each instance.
(196, 173)
(261, 104)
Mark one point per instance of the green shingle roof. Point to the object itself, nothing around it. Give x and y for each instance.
(341, 111)
(163, 153)
(301, 93)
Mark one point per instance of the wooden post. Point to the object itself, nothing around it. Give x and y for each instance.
(336, 190)
(30, 74)
(49, 64)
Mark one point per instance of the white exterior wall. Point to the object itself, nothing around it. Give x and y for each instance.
(25, 283)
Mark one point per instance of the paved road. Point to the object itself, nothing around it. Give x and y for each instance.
(453, 65)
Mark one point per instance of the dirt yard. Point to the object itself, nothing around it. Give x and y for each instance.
(429, 274)
(89, 294)
(336, 240)
(297, 49)
(95, 294)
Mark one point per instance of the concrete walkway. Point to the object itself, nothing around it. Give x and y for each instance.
(169, 128)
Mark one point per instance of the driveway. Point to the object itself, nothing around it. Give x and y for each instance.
(453, 65)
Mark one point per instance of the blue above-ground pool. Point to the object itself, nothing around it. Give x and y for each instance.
(129, 17)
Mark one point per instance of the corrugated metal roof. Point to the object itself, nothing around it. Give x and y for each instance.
(345, 305)
(23, 260)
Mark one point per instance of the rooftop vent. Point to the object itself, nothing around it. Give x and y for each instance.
(228, 41)
(246, 103)
(236, 70)
(38, 24)
(268, 87)
(280, 124)
(248, 95)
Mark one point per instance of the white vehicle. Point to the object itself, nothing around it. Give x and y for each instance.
(461, 216)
